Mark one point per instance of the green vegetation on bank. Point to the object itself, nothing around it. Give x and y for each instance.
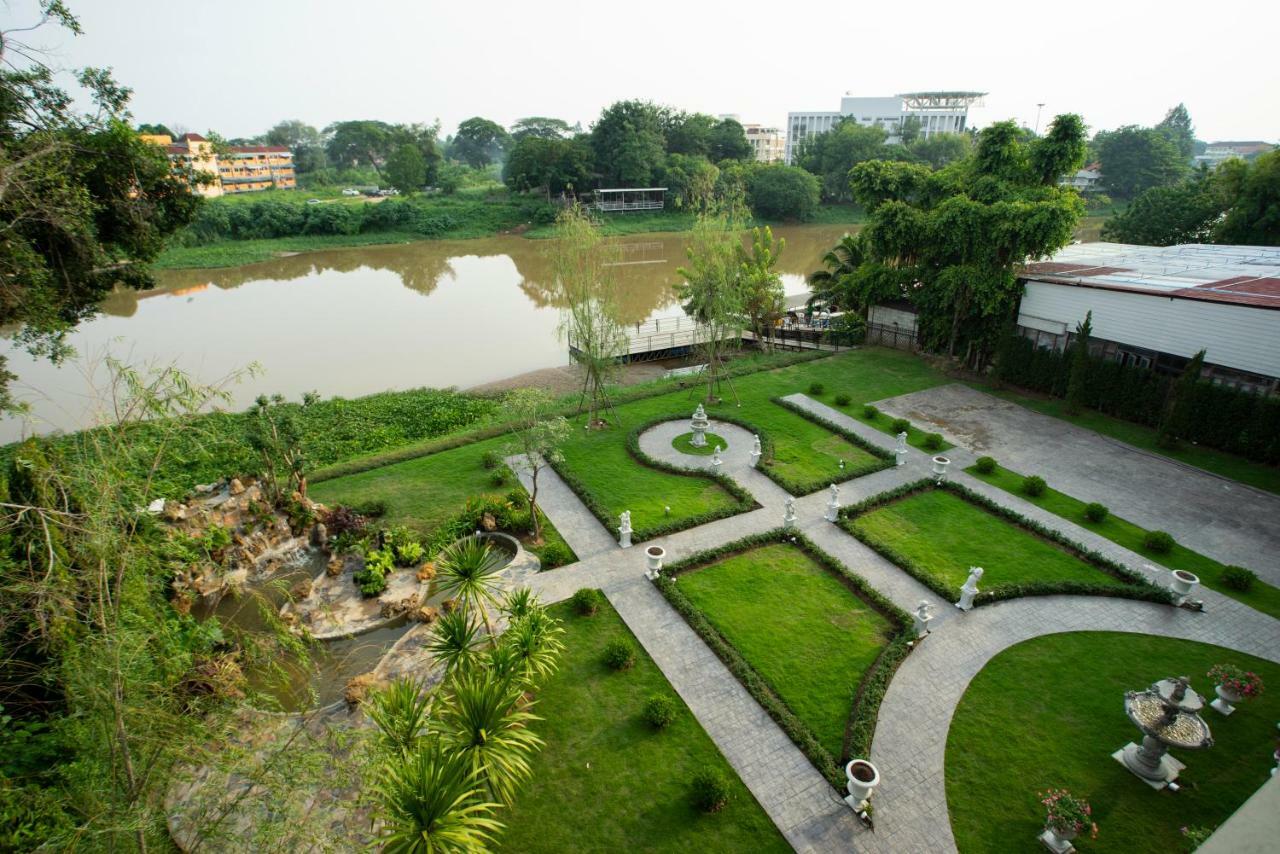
(607, 779)
(237, 253)
(1047, 714)
(798, 625)
(1260, 595)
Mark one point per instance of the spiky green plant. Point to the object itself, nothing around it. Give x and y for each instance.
(534, 642)
(519, 602)
(484, 720)
(401, 711)
(430, 803)
(468, 571)
(455, 641)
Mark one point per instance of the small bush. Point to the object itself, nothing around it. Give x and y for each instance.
(843, 400)
(933, 441)
(619, 654)
(986, 465)
(499, 477)
(1160, 542)
(554, 554)
(900, 425)
(660, 711)
(710, 790)
(586, 601)
(1238, 578)
(817, 389)
(1034, 485)
(1095, 512)
(372, 579)
(871, 412)
(491, 459)
(371, 509)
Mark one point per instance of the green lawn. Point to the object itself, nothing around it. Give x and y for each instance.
(1048, 713)
(684, 444)
(884, 423)
(606, 780)
(1262, 596)
(943, 534)
(798, 626)
(1255, 474)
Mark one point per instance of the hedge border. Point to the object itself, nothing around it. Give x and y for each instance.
(884, 456)
(865, 706)
(1136, 585)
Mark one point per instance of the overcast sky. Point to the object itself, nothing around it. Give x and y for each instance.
(238, 66)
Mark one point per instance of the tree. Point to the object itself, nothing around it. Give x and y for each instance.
(940, 149)
(1165, 216)
(480, 142)
(840, 262)
(909, 130)
(778, 191)
(1135, 159)
(728, 141)
(406, 169)
(1253, 217)
(552, 166)
(1173, 425)
(831, 155)
(467, 570)
(86, 205)
(711, 292)
(275, 432)
(875, 182)
(303, 140)
(690, 181)
(1078, 379)
(629, 143)
(357, 143)
(157, 130)
(537, 436)
(430, 804)
(541, 127)
(763, 299)
(691, 134)
(1177, 128)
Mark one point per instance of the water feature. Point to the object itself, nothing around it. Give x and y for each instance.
(356, 321)
(1167, 714)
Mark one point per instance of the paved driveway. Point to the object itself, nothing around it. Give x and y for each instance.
(1233, 523)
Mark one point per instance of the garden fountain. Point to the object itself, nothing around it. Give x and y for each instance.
(1167, 713)
(699, 425)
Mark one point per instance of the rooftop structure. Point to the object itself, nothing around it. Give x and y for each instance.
(938, 112)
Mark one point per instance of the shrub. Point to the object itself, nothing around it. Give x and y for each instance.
(900, 425)
(619, 654)
(340, 519)
(1034, 485)
(371, 509)
(1238, 578)
(843, 400)
(660, 711)
(554, 554)
(710, 790)
(817, 389)
(586, 601)
(986, 465)
(870, 411)
(491, 459)
(1160, 542)
(933, 441)
(372, 579)
(499, 477)
(1095, 512)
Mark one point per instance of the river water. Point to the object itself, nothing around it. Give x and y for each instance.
(352, 322)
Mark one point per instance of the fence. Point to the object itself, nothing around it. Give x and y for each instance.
(891, 336)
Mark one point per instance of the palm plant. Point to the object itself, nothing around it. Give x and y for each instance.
(840, 262)
(430, 803)
(531, 646)
(519, 602)
(455, 641)
(468, 570)
(400, 712)
(484, 721)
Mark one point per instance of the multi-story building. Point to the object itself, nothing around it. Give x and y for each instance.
(938, 112)
(1084, 180)
(768, 144)
(1217, 152)
(241, 169)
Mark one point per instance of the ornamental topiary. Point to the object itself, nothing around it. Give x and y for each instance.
(619, 654)
(660, 711)
(843, 400)
(1238, 578)
(933, 441)
(710, 790)
(900, 425)
(586, 601)
(1095, 512)
(870, 412)
(817, 389)
(1034, 486)
(986, 465)
(1160, 542)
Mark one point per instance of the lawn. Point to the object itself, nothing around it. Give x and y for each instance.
(1262, 596)
(943, 535)
(684, 444)
(1048, 713)
(606, 780)
(798, 626)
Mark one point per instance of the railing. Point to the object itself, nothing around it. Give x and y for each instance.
(891, 336)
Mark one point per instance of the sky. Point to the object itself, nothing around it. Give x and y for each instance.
(239, 66)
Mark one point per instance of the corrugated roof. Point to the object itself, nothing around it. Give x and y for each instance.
(1240, 275)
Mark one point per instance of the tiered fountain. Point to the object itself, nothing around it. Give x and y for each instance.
(1167, 713)
(699, 425)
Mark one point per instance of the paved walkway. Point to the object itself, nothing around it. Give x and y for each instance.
(1234, 523)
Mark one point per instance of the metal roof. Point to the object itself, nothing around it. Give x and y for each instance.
(1240, 275)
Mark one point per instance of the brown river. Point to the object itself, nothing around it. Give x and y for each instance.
(352, 322)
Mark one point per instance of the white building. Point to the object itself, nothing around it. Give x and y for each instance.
(938, 112)
(1218, 152)
(1084, 180)
(1157, 306)
(768, 144)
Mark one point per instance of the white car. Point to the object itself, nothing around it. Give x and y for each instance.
(351, 191)
(313, 201)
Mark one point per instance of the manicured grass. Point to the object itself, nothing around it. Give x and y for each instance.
(944, 535)
(1254, 474)
(1048, 713)
(798, 625)
(606, 780)
(684, 444)
(884, 423)
(1262, 596)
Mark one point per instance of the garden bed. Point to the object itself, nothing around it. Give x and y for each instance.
(810, 640)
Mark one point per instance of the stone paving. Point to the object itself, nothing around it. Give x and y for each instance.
(910, 738)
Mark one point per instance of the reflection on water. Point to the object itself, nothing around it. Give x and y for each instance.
(351, 322)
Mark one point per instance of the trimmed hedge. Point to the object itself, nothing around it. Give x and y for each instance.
(884, 458)
(1136, 585)
(870, 690)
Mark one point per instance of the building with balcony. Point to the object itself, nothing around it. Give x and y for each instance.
(241, 168)
(194, 153)
(769, 145)
(938, 112)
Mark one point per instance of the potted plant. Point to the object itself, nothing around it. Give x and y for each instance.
(1066, 818)
(1232, 685)
(861, 780)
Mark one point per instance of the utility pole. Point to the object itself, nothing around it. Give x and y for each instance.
(1039, 107)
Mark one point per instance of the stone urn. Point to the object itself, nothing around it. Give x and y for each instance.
(1058, 841)
(940, 465)
(653, 556)
(1227, 699)
(1183, 582)
(861, 780)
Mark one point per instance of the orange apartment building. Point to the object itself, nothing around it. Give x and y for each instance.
(243, 169)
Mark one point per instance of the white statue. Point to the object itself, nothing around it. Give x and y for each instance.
(901, 450)
(833, 504)
(970, 589)
(700, 413)
(756, 451)
(789, 518)
(624, 530)
(922, 615)
(715, 457)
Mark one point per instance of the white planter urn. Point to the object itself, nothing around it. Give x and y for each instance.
(940, 465)
(1226, 699)
(653, 556)
(1058, 841)
(1183, 582)
(861, 780)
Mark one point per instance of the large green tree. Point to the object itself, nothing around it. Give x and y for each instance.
(941, 148)
(549, 165)
(778, 191)
(729, 142)
(479, 142)
(371, 143)
(1177, 128)
(1165, 216)
(690, 134)
(406, 169)
(831, 155)
(540, 126)
(630, 144)
(1135, 159)
(1254, 215)
(303, 140)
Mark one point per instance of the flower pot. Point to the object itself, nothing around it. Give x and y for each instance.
(940, 464)
(862, 778)
(654, 556)
(1226, 699)
(1183, 582)
(1066, 835)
